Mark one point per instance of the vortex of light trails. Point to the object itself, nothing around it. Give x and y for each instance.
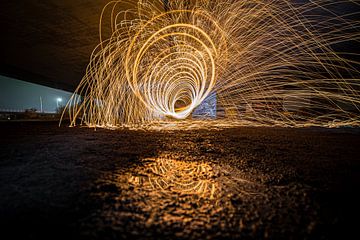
(269, 62)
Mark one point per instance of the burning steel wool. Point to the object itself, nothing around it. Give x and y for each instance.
(268, 62)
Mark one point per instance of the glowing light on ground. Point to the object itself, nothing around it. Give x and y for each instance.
(269, 63)
(167, 176)
(174, 176)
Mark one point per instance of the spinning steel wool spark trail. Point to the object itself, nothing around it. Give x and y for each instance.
(269, 62)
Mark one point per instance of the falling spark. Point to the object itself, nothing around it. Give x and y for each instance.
(269, 63)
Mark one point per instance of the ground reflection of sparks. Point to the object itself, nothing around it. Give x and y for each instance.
(176, 176)
(189, 194)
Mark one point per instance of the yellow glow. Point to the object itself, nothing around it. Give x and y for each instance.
(174, 176)
(268, 62)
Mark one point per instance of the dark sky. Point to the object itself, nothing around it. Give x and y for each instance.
(19, 95)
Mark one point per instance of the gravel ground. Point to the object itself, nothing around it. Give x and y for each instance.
(238, 183)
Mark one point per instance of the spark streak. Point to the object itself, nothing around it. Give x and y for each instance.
(269, 62)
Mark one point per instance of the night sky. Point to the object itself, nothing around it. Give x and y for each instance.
(19, 95)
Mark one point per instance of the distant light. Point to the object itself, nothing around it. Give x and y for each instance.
(59, 99)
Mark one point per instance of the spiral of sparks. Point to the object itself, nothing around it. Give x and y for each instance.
(269, 62)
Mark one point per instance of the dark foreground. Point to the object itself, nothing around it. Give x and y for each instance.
(245, 183)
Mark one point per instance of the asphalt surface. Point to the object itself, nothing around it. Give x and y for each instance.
(236, 183)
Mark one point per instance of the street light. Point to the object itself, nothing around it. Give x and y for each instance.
(57, 102)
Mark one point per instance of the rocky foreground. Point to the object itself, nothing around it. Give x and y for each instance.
(236, 183)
